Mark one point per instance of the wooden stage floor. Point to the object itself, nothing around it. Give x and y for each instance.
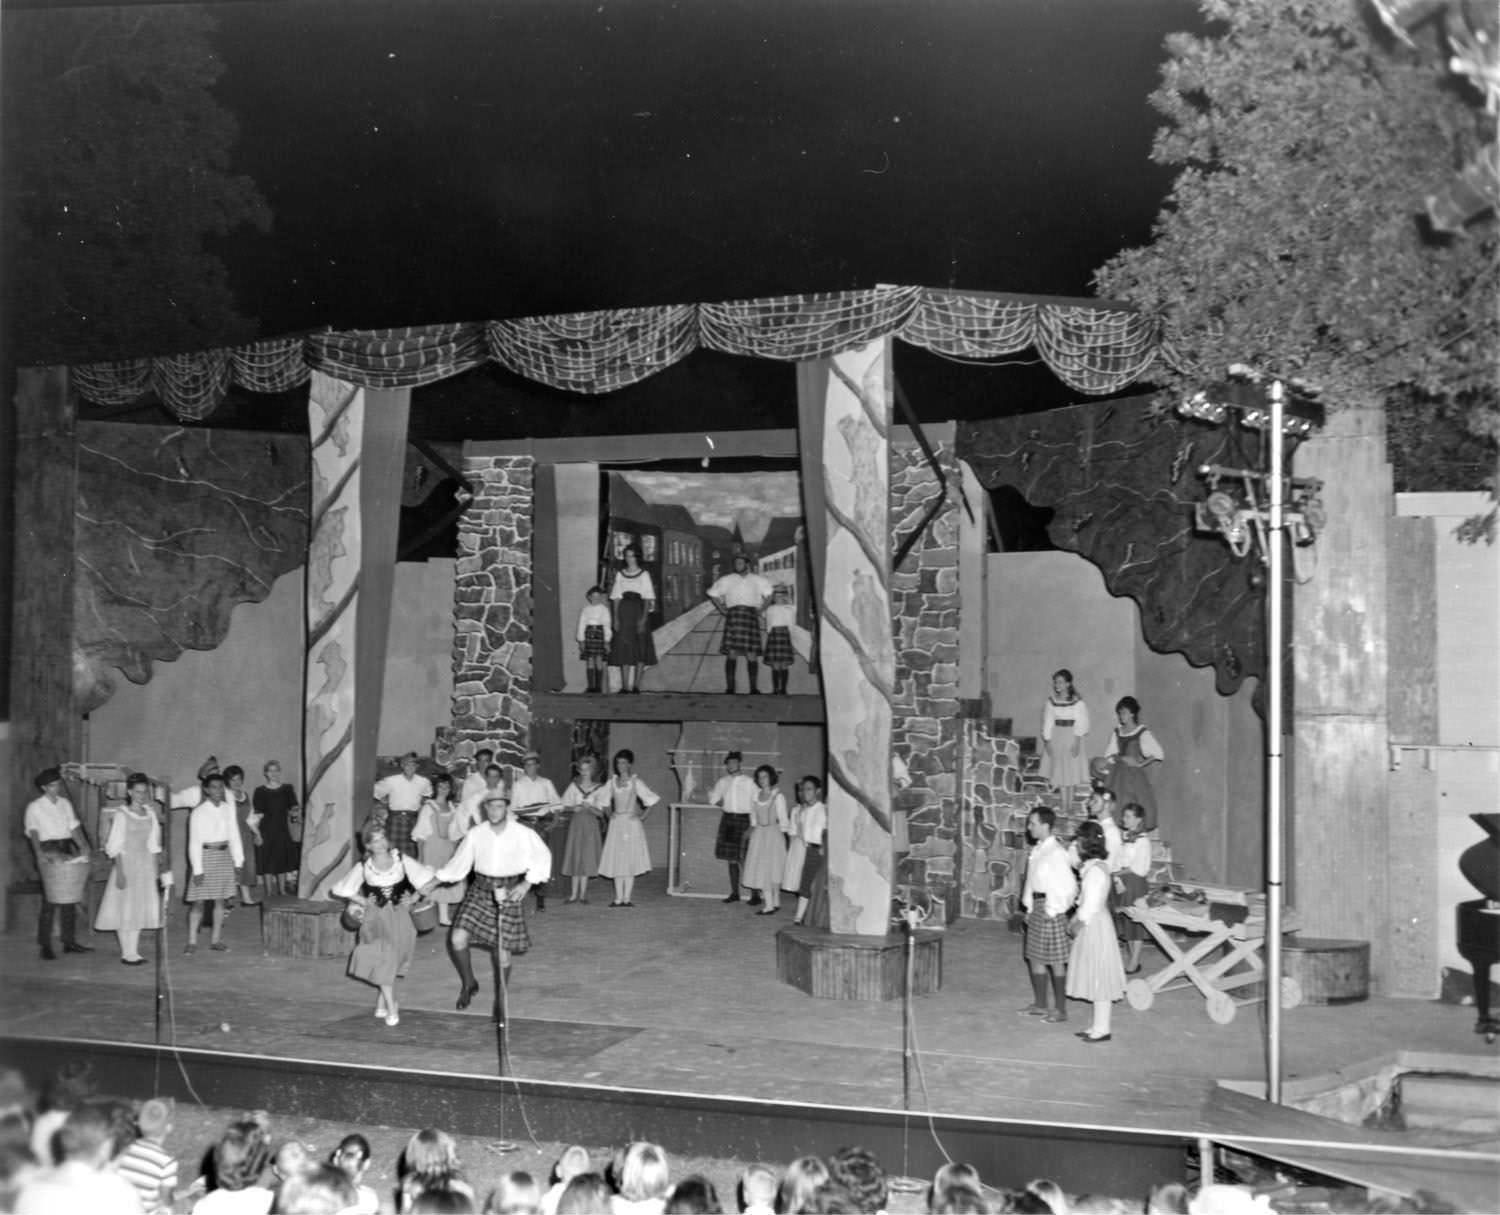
(680, 995)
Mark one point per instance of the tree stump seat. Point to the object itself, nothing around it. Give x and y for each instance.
(846, 966)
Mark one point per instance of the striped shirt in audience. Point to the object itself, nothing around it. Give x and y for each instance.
(150, 1168)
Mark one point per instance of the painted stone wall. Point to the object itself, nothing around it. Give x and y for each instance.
(925, 723)
(492, 611)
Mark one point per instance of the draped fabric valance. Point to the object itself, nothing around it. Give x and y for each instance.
(1096, 349)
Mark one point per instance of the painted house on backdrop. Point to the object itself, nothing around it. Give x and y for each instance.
(682, 567)
(718, 552)
(632, 520)
(780, 560)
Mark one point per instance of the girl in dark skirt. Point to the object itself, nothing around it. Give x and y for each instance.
(1131, 881)
(813, 828)
(634, 599)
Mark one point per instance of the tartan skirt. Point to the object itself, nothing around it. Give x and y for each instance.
(1047, 941)
(733, 838)
(217, 879)
(741, 632)
(398, 829)
(487, 923)
(594, 645)
(779, 649)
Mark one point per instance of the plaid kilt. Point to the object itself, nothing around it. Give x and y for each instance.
(398, 828)
(486, 922)
(741, 632)
(1047, 941)
(779, 649)
(217, 881)
(733, 838)
(594, 645)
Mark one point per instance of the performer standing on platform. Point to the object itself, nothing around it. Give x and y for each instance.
(1131, 750)
(1047, 896)
(734, 792)
(1065, 725)
(1094, 970)
(780, 653)
(56, 839)
(534, 801)
(382, 888)
(589, 799)
(813, 828)
(741, 597)
(501, 858)
(214, 860)
(625, 856)
(595, 631)
(403, 794)
(634, 599)
(130, 901)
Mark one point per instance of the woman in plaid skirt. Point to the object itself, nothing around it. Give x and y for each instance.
(502, 859)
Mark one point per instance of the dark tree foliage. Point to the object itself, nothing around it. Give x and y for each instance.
(117, 177)
(1294, 240)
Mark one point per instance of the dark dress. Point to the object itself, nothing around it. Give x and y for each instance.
(633, 644)
(278, 852)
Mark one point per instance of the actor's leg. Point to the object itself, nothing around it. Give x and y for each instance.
(458, 950)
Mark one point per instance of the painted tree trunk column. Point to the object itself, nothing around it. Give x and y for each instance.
(1338, 817)
(336, 423)
(856, 647)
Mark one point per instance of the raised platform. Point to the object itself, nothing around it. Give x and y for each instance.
(843, 966)
(560, 707)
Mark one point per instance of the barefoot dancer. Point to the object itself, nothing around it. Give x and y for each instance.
(505, 859)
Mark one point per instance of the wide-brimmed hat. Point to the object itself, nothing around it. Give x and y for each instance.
(46, 776)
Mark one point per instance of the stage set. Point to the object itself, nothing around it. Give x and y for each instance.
(913, 637)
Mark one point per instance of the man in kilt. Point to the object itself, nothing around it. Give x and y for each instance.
(502, 859)
(403, 793)
(1047, 896)
(735, 793)
(741, 597)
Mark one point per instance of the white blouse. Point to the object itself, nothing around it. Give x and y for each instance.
(365, 874)
(1077, 713)
(115, 844)
(636, 584)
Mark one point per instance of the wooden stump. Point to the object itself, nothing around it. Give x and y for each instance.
(1330, 971)
(845, 966)
(305, 928)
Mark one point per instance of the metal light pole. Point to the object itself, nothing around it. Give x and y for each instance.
(1275, 815)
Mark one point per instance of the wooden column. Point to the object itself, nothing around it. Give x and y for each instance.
(856, 648)
(348, 613)
(45, 728)
(1338, 817)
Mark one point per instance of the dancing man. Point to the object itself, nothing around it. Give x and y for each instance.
(503, 859)
(741, 597)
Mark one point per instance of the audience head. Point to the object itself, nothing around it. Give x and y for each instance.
(1169, 1199)
(586, 1194)
(1050, 1194)
(121, 1116)
(960, 1200)
(571, 1163)
(353, 1156)
(951, 1177)
(87, 1137)
(155, 1118)
(1227, 1200)
(290, 1158)
(801, 1179)
(693, 1195)
(831, 1198)
(241, 1155)
(73, 1084)
(1091, 846)
(317, 1189)
(517, 1194)
(640, 1172)
(858, 1172)
(757, 1187)
(430, 1153)
(442, 1202)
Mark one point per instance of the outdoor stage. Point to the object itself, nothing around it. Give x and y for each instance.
(667, 1018)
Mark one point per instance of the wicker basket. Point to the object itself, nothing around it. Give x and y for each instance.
(64, 881)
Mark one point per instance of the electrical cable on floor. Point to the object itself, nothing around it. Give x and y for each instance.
(916, 1054)
(166, 976)
(506, 1069)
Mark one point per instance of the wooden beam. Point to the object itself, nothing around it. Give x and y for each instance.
(551, 707)
(642, 449)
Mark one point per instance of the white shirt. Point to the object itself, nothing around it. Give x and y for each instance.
(1150, 748)
(471, 809)
(252, 1200)
(514, 849)
(365, 874)
(813, 823)
(595, 614)
(1135, 856)
(742, 590)
(1049, 873)
(1077, 712)
(74, 1186)
(532, 791)
(213, 823)
(51, 820)
(735, 793)
(402, 793)
(636, 584)
(781, 616)
(473, 783)
(1093, 894)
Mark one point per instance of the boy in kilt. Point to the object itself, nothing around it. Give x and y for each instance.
(1048, 895)
(502, 859)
